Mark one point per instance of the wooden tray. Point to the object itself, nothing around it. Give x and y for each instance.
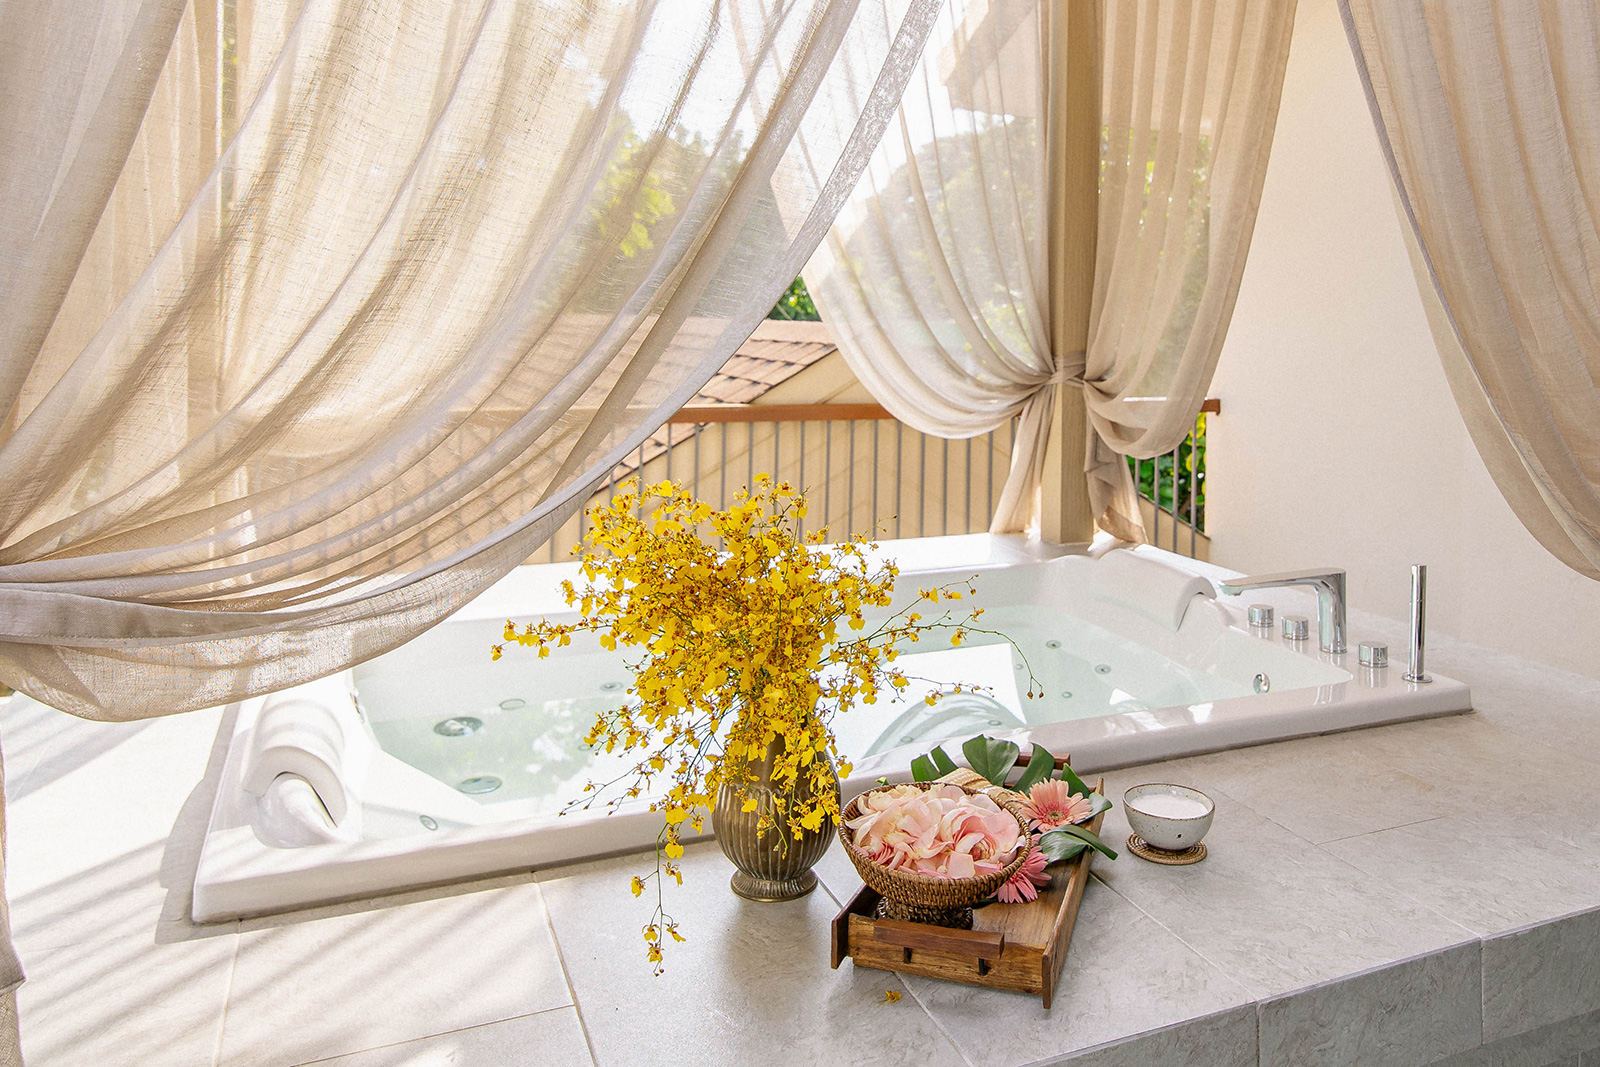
(1010, 946)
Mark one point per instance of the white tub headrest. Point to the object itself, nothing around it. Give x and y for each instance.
(291, 815)
(312, 731)
(1154, 590)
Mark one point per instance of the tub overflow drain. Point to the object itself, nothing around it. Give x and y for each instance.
(1262, 683)
(459, 726)
(427, 822)
(483, 783)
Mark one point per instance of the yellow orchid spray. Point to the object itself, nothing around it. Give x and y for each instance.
(750, 634)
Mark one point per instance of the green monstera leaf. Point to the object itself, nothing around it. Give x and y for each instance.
(1060, 846)
(1076, 784)
(1040, 764)
(990, 758)
(931, 766)
(1069, 841)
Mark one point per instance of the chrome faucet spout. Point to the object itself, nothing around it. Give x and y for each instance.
(1330, 587)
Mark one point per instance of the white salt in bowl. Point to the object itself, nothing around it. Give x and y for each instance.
(1173, 817)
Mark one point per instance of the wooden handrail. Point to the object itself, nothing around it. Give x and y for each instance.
(779, 413)
(703, 413)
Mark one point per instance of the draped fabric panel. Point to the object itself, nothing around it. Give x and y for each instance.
(936, 276)
(75, 82)
(1190, 97)
(1488, 112)
(319, 316)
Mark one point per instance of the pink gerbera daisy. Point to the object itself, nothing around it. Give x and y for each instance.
(1052, 803)
(1022, 886)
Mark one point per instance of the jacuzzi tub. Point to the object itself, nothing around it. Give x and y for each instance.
(442, 765)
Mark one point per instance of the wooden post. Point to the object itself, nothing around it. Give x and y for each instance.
(1066, 514)
(1072, 143)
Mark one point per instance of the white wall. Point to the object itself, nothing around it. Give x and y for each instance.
(1339, 442)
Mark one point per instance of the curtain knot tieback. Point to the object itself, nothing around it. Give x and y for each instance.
(1062, 377)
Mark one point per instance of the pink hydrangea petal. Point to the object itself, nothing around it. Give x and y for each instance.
(941, 832)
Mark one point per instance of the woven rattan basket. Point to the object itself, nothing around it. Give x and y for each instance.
(919, 897)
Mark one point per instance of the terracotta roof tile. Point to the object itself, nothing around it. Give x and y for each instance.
(776, 352)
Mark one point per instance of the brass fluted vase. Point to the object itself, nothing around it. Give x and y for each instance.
(776, 866)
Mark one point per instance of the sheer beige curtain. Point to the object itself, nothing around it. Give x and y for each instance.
(936, 277)
(1489, 115)
(324, 324)
(316, 317)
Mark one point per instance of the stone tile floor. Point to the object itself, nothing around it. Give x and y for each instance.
(1374, 897)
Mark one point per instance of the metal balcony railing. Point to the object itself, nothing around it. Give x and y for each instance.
(1174, 487)
(863, 471)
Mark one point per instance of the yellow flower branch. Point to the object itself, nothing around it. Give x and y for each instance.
(738, 621)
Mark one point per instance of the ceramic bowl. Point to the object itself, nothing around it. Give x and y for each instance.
(1164, 828)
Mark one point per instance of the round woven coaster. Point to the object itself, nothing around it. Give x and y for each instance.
(1145, 851)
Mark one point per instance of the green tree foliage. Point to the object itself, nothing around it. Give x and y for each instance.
(979, 193)
(634, 180)
(1178, 481)
(795, 304)
(656, 188)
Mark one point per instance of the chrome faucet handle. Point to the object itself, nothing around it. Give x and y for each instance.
(1419, 623)
(1330, 587)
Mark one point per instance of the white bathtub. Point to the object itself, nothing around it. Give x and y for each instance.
(1129, 675)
